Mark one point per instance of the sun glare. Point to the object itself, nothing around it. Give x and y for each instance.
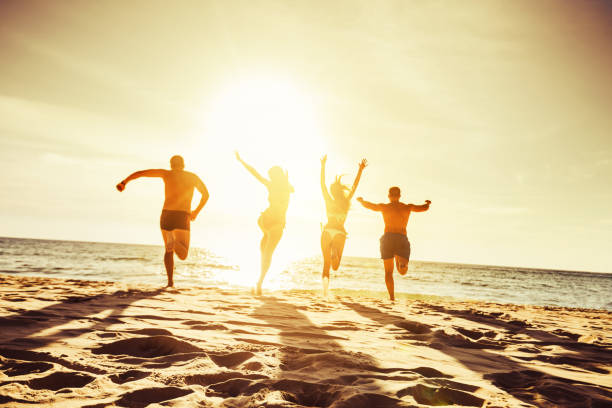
(269, 118)
(270, 121)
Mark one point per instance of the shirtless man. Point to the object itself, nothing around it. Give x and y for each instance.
(176, 214)
(394, 243)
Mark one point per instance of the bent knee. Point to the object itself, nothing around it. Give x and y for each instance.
(182, 255)
(402, 270)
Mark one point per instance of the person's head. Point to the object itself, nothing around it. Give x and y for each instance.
(277, 174)
(177, 163)
(394, 194)
(337, 189)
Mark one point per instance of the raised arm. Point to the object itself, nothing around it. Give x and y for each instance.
(369, 205)
(326, 195)
(199, 184)
(251, 170)
(420, 208)
(141, 173)
(362, 165)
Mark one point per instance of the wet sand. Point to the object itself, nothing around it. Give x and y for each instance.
(77, 343)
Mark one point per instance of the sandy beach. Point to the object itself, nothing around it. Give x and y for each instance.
(72, 343)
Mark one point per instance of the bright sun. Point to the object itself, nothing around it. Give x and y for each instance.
(268, 118)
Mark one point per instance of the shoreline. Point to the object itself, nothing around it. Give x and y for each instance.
(73, 342)
(365, 294)
(444, 262)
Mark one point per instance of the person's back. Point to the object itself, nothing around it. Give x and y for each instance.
(394, 243)
(333, 235)
(395, 216)
(337, 212)
(176, 214)
(279, 193)
(179, 187)
(272, 220)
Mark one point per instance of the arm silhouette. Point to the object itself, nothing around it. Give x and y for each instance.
(204, 191)
(369, 205)
(252, 170)
(362, 165)
(420, 208)
(326, 195)
(142, 173)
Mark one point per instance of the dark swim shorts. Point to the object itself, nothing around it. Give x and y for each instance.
(171, 220)
(392, 244)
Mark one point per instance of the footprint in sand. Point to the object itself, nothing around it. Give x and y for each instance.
(147, 347)
(199, 325)
(146, 396)
(232, 359)
(558, 391)
(129, 376)
(440, 396)
(215, 378)
(152, 332)
(56, 381)
(14, 368)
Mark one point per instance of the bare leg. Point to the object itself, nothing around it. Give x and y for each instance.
(326, 249)
(268, 245)
(262, 248)
(389, 277)
(181, 243)
(336, 250)
(169, 256)
(402, 264)
(169, 263)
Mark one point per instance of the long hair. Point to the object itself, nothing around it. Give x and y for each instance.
(278, 176)
(338, 192)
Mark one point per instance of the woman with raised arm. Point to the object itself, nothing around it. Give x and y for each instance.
(337, 205)
(272, 220)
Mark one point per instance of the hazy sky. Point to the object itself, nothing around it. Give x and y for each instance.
(500, 112)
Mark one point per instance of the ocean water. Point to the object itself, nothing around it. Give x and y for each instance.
(365, 276)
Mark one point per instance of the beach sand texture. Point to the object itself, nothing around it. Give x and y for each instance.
(71, 343)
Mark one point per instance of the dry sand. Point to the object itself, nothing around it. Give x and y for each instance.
(70, 343)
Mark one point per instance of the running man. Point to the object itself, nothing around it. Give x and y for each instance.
(176, 214)
(394, 244)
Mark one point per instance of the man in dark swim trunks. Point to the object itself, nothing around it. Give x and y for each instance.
(394, 244)
(176, 214)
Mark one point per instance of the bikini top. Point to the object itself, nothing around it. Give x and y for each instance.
(335, 215)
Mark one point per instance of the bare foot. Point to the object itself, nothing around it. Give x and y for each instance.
(326, 288)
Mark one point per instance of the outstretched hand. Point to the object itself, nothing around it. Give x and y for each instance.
(323, 160)
(360, 199)
(363, 164)
(427, 202)
(237, 155)
(121, 186)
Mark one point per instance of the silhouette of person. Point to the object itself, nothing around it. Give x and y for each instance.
(272, 220)
(337, 205)
(176, 214)
(394, 243)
